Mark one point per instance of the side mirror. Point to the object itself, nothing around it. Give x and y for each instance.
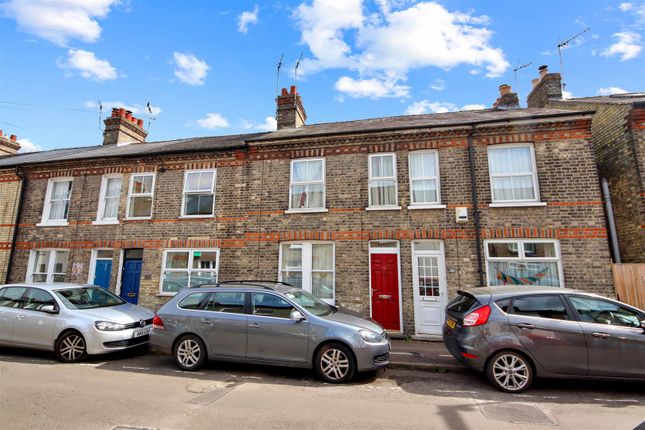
(49, 309)
(296, 316)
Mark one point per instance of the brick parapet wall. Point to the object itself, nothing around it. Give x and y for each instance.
(252, 194)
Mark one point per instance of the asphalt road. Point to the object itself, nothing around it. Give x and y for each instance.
(135, 391)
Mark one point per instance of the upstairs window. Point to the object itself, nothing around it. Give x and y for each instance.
(424, 178)
(141, 196)
(199, 193)
(57, 197)
(307, 190)
(513, 175)
(382, 181)
(109, 198)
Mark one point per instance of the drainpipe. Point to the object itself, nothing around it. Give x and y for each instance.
(14, 237)
(613, 237)
(475, 203)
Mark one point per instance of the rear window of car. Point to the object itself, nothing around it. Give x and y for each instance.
(192, 301)
(462, 303)
(503, 304)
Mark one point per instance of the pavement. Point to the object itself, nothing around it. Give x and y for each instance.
(430, 356)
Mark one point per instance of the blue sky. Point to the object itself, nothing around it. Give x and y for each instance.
(209, 67)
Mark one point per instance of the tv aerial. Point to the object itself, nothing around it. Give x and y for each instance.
(562, 45)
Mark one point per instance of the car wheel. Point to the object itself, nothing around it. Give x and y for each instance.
(70, 347)
(335, 363)
(189, 353)
(510, 372)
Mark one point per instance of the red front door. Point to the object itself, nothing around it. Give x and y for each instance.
(385, 290)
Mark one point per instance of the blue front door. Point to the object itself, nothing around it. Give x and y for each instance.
(131, 277)
(102, 273)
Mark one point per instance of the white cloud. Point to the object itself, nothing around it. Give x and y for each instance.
(438, 85)
(246, 18)
(624, 7)
(269, 124)
(213, 120)
(386, 45)
(27, 145)
(373, 88)
(426, 106)
(59, 21)
(628, 46)
(136, 109)
(566, 95)
(610, 90)
(190, 69)
(88, 65)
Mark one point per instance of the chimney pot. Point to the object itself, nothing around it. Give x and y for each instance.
(115, 112)
(119, 128)
(284, 92)
(140, 122)
(121, 112)
(544, 69)
(0, 133)
(13, 138)
(293, 89)
(128, 114)
(504, 89)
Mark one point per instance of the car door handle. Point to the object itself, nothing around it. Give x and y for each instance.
(598, 334)
(525, 325)
(254, 325)
(20, 317)
(206, 321)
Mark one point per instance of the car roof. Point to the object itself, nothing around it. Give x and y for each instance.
(277, 286)
(50, 286)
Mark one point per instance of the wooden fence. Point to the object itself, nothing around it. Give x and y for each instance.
(629, 280)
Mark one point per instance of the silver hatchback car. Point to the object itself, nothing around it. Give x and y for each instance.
(70, 319)
(268, 323)
(515, 333)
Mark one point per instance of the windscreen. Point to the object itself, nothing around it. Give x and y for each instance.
(88, 298)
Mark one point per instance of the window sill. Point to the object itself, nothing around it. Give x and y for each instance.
(53, 224)
(306, 211)
(197, 216)
(411, 207)
(516, 204)
(383, 208)
(138, 219)
(111, 222)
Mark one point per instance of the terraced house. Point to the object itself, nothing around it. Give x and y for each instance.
(386, 216)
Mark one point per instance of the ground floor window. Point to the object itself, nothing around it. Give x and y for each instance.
(524, 262)
(183, 268)
(310, 266)
(47, 265)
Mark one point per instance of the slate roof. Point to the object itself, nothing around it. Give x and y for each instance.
(215, 143)
(618, 99)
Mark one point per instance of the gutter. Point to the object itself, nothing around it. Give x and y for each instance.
(613, 237)
(14, 238)
(475, 203)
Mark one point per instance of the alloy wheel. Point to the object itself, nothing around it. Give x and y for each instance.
(511, 372)
(334, 364)
(72, 347)
(189, 353)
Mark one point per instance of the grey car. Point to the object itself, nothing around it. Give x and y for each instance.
(70, 319)
(516, 333)
(268, 323)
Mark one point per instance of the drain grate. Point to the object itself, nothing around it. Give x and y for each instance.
(210, 397)
(515, 413)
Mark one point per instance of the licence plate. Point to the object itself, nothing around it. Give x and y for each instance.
(451, 323)
(141, 332)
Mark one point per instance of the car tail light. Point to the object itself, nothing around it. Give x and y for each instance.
(477, 317)
(157, 323)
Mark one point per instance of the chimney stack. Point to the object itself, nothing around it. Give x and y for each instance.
(8, 144)
(290, 112)
(122, 128)
(545, 89)
(507, 99)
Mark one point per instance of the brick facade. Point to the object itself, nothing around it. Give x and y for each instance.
(10, 186)
(252, 195)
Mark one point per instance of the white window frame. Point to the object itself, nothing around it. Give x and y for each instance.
(522, 258)
(184, 192)
(45, 221)
(371, 179)
(536, 188)
(322, 182)
(307, 265)
(151, 194)
(102, 193)
(50, 264)
(189, 269)
(425, 205)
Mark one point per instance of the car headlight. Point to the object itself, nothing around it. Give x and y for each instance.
(370, 337)
(109, 326)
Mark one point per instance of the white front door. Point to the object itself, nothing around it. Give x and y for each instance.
(429, 281)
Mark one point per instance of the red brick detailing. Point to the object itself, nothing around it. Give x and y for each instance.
(581, 233)
(459, 205)
(596, 203)
(125, 244)
(9, 178)
(638, 118)
(341, 210)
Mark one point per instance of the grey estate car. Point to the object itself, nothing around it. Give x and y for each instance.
(514, 333)
(70, 319)
(267, 323)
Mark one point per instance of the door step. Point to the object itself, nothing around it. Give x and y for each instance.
(428, 337)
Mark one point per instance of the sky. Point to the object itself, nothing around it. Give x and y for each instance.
(210, 67)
